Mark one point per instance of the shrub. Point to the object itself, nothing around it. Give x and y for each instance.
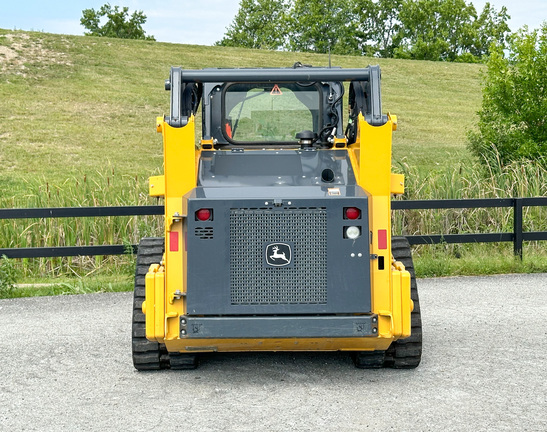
(512, 121)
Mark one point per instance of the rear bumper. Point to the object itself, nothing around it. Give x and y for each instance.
(278, 327)
(319, 332)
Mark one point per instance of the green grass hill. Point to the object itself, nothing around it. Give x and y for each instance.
(73, 105)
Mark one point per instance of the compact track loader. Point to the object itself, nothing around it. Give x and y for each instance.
(278, 228)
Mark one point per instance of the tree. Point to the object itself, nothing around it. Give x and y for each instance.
(320, 26)
(490, 27)
(376, 23)
(296, 25)
(513, 117)
(448, 30)
(258, 24)
(434, 29)
(118, 24)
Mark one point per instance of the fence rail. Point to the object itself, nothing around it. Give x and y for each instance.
(517, 236)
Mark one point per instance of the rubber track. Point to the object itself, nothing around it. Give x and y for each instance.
(406, 353)
(151, 355)
(402, 353)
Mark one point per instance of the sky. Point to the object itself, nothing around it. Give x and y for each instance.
(201, 22)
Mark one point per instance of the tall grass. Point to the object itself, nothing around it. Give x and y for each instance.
(522, 179)
(106, 188)
(102, 188)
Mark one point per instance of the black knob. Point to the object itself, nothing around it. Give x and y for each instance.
(306, 135)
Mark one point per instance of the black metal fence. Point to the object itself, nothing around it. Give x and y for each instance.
(73, 212)
(517, 236)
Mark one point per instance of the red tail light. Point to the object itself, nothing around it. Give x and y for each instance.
(204, 215)
(352, 213)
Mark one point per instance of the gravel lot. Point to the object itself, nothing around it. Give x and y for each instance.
(66, 365)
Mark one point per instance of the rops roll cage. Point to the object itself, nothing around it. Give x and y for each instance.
(187, 87)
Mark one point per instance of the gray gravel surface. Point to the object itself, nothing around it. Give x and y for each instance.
(66, 365)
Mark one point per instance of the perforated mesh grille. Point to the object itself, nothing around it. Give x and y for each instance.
(253, 282)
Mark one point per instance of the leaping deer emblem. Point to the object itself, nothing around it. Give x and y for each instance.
(276, 254)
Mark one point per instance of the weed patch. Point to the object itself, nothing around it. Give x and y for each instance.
(8, 276)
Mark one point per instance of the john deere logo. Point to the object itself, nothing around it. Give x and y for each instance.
(278, 254)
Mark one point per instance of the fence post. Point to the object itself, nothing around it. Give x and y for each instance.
(517, 227)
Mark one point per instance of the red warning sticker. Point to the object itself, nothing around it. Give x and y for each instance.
(276, 91)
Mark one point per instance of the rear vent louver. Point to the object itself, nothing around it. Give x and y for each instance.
(204, 233)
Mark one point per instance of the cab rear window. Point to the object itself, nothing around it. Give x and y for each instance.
(269, 112)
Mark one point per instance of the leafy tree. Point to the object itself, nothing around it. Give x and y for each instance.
(320, 26)
(490, 27)
(419, 29)
(295, 25)
(118, 24)
(376, 22)
(513, 118)
(448, 30)
(435, 29)
(258, 24)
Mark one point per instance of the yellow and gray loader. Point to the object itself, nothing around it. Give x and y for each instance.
(278, 228)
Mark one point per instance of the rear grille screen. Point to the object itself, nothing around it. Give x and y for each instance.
(252, 281)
